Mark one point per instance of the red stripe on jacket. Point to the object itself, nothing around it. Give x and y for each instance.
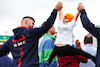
(20, 60)
(21, 39)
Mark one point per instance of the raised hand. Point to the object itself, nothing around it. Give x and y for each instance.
(80, 7)
(58, 6)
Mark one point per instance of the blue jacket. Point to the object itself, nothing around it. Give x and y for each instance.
(24, 43)
(94, 30)
(45, 49)
(5, 61)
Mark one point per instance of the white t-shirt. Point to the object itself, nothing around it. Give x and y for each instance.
(65, 33)
(91, 50)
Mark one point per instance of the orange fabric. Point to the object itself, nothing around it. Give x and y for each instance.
(68, 16)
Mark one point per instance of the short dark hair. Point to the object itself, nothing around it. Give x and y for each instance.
(88, 39)
(28, 17)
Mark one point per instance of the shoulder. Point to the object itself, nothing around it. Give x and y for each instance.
(73, 21)
(60, 20)
(48, 39)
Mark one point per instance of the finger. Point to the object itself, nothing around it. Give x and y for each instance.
(59, 2)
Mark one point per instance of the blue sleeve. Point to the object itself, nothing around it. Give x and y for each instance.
(41, 64)
(90, 27)
(49, 44)
(45, 27)
(4, 49)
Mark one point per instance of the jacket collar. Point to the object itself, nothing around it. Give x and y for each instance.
(22, 27)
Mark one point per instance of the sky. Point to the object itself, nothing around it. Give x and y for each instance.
(12, 11)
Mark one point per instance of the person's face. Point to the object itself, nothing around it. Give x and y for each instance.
(52, 29)
(30, 23)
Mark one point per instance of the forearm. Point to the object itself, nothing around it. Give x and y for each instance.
(60, 15)
(90, 27)
(4, 50)
(48, 24)
(50, 21)
(85, 20)
(76, 16)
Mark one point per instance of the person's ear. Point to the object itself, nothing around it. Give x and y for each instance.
(84, 43)
(26, 22)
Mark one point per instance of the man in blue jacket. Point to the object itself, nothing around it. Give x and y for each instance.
(92, 28)
(24, 43)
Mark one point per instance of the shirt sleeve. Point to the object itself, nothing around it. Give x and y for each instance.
(38, 32)
(4, 49)
(41, 65)
(47, 48)
(49, 44)
(90, 27)
(72, 24)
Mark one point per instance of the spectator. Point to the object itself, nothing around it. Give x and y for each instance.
(46, 48)
(91, 28)
(89, 48)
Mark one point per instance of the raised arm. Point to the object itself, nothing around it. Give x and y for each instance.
(76, 16)
(90, 27)
(58, 6)
(48, 24)
(60, 15)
